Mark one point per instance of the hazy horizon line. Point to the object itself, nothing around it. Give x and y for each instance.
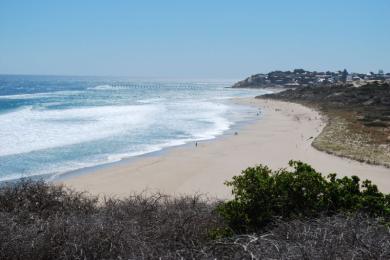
(170, 77)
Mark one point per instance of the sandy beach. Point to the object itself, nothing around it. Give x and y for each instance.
(284, 132)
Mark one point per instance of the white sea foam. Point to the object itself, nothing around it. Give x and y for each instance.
(102, 87)
(151, 100)
(110, 87)
(40, 95)
(28, 129)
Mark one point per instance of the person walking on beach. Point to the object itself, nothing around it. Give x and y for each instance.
(196, 144)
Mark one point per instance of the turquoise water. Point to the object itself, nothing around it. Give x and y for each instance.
(51, 125)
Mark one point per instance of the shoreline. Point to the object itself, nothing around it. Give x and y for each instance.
(284, 132)
(125, 160)
(236, 126)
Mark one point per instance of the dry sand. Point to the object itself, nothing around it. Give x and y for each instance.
(285, 132)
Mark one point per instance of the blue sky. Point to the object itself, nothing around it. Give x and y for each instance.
(192, 39)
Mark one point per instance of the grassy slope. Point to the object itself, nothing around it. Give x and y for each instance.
(358, 120)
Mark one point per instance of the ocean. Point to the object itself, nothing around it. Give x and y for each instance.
(50, 125)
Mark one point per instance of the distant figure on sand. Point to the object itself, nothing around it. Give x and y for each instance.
(196, 144)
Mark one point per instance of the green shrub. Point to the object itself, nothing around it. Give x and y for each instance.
(260, 196)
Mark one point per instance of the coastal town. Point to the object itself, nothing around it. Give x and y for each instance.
(304, 78)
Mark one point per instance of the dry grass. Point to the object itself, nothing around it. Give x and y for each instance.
(41, 221)
(337, 237)
(359, 119)
(346, 136)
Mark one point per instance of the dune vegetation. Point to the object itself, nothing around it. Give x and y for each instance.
(358, 118)
(294, 213)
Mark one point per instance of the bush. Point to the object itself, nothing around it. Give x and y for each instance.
(43, 221)
(261, 196)
(335, 237)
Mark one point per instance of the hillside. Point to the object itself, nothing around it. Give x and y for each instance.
(358, 119)
(303, 78)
